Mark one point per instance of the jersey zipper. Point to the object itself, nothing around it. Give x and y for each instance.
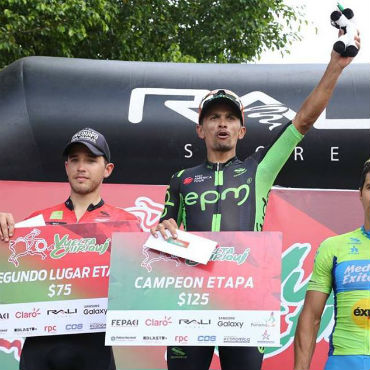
(216, 218)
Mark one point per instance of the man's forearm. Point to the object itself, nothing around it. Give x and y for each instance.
(319, 98)
(305, 342)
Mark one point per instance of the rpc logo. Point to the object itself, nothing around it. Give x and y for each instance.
(181, 339)
(50, 328)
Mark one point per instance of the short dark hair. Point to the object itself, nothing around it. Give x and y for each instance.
(365, 171)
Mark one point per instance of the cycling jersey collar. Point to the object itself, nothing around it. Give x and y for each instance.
(69, 204)
(366, 233)
(218, 165)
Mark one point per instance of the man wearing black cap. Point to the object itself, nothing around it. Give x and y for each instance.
(227, 194)
(87, 165)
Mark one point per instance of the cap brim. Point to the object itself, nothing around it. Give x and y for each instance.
(89, 146)
(217, 100)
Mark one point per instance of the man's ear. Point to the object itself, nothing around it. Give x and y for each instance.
(108, 170)
(200, 131)
(242, 132)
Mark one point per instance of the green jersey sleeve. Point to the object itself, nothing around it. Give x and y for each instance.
(321, 278)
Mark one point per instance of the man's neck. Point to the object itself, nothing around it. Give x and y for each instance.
(82, 201)
(220, 157)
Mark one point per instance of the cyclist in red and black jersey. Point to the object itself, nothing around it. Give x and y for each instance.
(87, 165)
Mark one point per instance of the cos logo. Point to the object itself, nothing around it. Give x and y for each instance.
(74, 326)
(206, 338)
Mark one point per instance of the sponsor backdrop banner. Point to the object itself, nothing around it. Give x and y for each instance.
(158, 299)
(54, 279)
(305, 217)
(148, 112)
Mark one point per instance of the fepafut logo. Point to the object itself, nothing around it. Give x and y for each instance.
(163, 322)
(125, 323)
(31, 244)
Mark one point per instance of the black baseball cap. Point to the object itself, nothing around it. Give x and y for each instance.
(224, 96)
(92, 139)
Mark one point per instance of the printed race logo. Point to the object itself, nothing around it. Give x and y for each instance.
(28, 245)
(12, 347)
(147, 211)
(293, 290)
(152, 256)
(31, 245)
(228, 254)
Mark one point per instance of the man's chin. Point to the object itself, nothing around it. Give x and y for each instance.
(223, 148)
(81, 190)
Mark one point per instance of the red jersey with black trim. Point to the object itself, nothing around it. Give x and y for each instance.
(37, 351)
(64, 214)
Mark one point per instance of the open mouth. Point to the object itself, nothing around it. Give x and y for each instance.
(223, 134)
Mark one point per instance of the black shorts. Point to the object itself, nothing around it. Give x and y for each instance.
(199, 358)
(67, 352)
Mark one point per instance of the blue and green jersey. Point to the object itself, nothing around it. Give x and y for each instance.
(342, 264)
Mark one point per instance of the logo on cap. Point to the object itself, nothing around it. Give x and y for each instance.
(85, 134)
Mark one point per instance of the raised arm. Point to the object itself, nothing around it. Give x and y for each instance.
(319, 98)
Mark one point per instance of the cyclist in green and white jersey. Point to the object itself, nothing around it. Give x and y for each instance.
(342, 264)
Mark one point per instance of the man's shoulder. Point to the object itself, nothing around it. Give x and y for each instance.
(351, 235)
(189, 171)
(47, 212)
(337, 241)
